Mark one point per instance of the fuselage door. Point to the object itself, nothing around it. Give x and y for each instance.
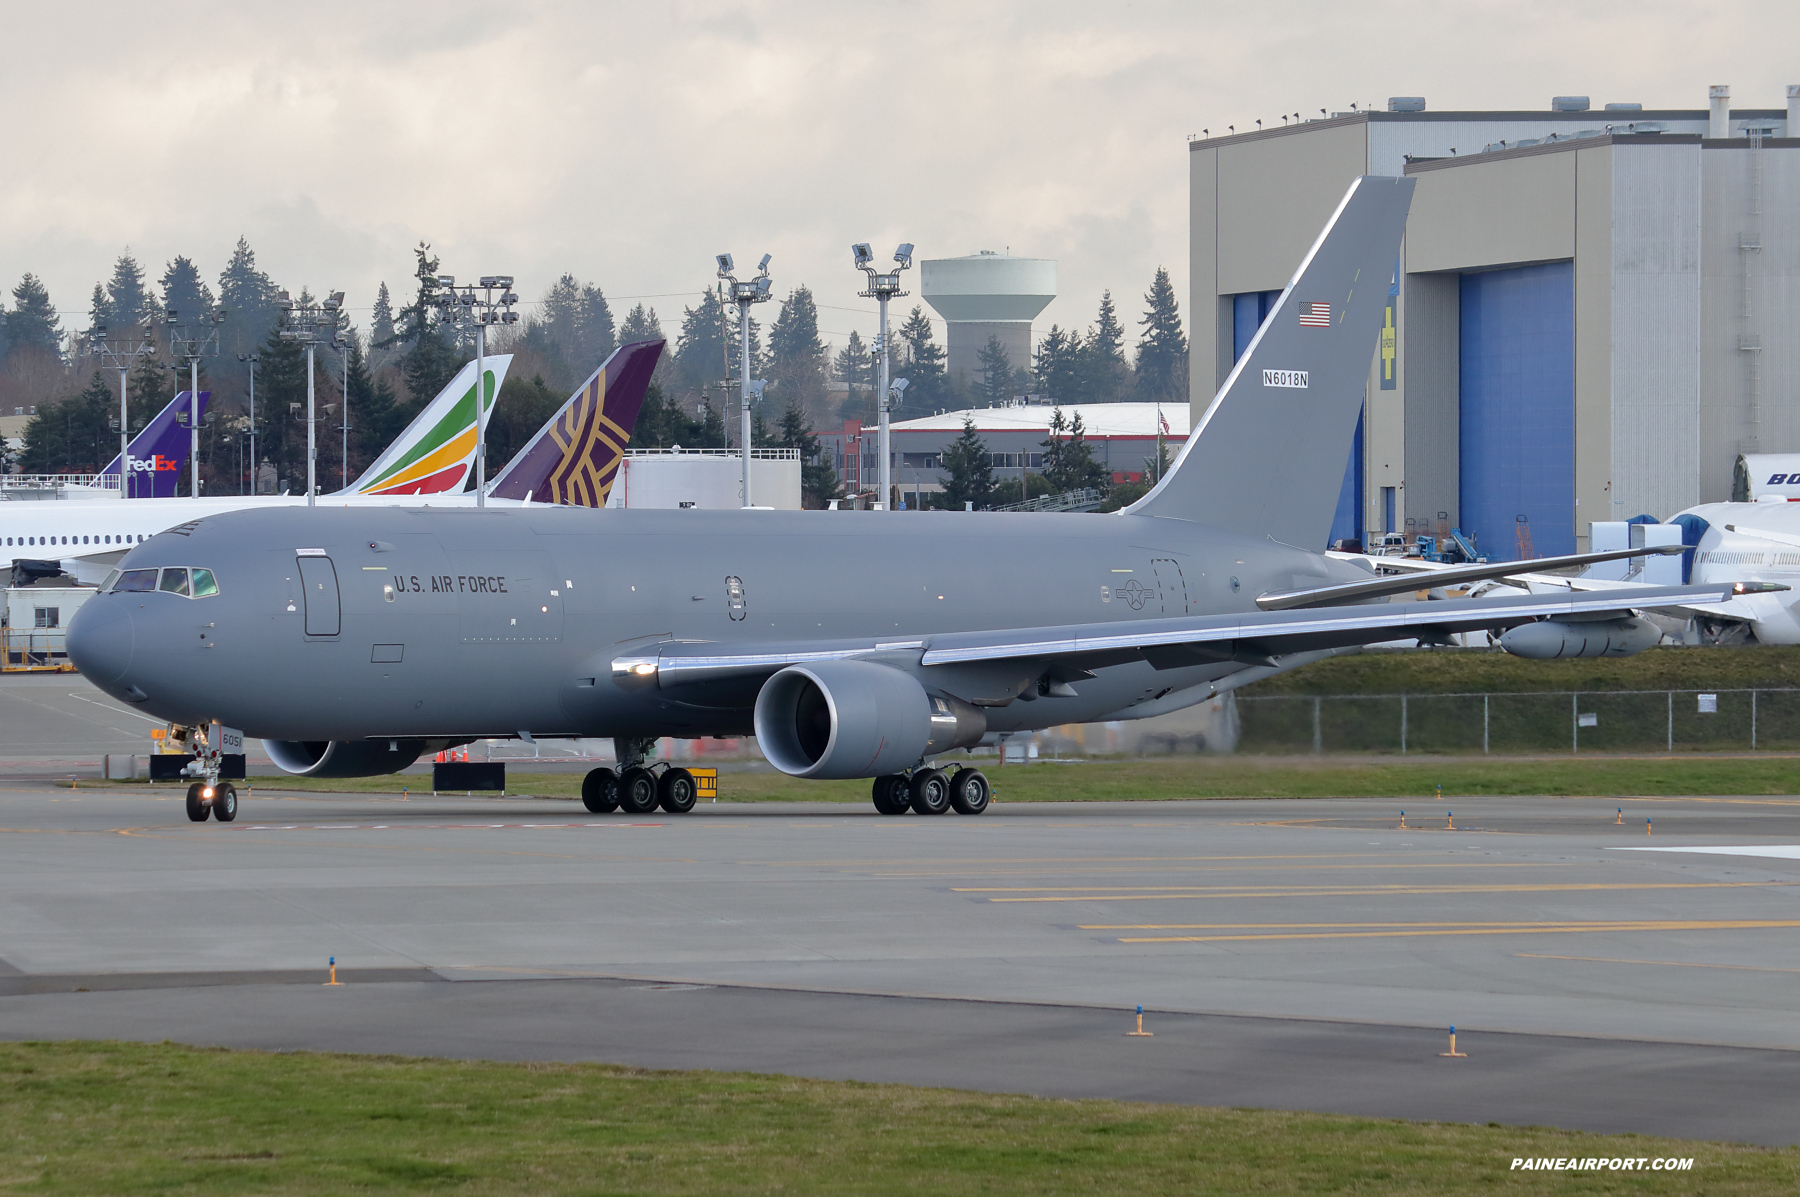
(1171, 585)
(319, 584)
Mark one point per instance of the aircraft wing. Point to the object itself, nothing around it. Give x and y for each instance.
(1249, 637)
(1441, 575)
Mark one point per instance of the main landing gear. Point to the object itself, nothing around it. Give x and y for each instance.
(933, 791)
(637, 788)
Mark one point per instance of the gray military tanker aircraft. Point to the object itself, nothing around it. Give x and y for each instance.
(853, 645)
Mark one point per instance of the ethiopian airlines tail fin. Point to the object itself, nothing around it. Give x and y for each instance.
(1267, 458)
(436, 453)
(159, 452)
(573, 459)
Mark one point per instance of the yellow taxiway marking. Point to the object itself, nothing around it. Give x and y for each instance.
(1168, 892)
(1237, 931)
(1744, 968)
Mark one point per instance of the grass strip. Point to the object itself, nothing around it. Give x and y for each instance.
(127, 1118)
(1221, 777)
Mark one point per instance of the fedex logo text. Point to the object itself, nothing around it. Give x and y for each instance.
(154, 465)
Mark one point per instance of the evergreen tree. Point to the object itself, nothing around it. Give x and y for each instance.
(72, 435)
(701, 346)
(855, 364)
(818, 477)
(712, 426)
(576, 325)
(281, 404)
(1059, 366)
(971, 468)
(33, 323)
(129, 303)
(100, 308)
(1162, 350)
(381, 325)
(1105, 377)
(252, 309)
(521, 409)
(921, 363)
(1069, 462)
(185, 295)
(996, 372)
(640, 325)
(431, 359)
(797, 357)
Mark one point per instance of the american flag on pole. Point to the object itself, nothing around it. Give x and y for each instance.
(1163, 421)
(1315, 315)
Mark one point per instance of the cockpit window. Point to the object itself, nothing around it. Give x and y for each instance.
(175, 581)
(110, 579)
(204, 586)
(136, 580)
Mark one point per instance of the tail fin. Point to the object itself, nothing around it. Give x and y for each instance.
(574, 459)
(159, 452)
(436, 453)
(1267, 458)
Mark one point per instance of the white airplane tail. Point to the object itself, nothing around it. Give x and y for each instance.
(436, 453)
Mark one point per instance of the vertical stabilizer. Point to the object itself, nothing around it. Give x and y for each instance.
(574, 459)
(436, 453)
(1267, 457)
(160, 451)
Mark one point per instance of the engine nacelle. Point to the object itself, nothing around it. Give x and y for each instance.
(343, 758)
(846, 719)
(1555, 639)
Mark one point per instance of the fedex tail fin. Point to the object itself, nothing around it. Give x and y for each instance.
(1267, 458)
(159, 452)
(436, 453)
(574, 459)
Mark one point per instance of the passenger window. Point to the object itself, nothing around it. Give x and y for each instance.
(136, 580)
(204, 586)
(174, 581)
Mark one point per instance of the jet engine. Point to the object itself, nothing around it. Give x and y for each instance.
(343, 758)
(1555, 639)
(843, 719)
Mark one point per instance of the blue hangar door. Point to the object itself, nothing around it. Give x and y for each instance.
(1248, 311)
(1517, 408)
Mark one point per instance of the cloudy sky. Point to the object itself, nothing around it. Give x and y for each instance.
(629, 143)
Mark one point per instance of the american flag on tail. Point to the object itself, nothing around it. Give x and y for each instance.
(1315, 315)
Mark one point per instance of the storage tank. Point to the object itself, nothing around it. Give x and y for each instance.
(984, 295)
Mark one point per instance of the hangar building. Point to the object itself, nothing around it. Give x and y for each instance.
(1594, 312)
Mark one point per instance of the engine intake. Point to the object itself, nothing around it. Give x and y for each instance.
(846, 719)
(343, 758)
(1555, 639)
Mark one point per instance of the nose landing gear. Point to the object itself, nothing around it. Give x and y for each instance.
(217, 798)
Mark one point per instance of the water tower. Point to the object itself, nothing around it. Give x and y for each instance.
(987, 295)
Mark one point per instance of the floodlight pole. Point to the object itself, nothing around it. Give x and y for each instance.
(464, 307)
(251, 359)
(744, 295)
(883, 287)
(120, 356)
(303, 322)
(199, 340)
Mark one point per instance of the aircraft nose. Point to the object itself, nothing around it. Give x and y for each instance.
(100, 640)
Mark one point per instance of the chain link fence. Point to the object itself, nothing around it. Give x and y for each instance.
(1550, 721)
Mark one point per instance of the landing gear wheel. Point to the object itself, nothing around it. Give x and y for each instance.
(970, 792)
(676, 791)
(600, 791)
(224, 803)
(637, 791)
(930, 792)
(196, 807)
(893, 795)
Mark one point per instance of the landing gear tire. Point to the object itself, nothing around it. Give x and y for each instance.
(197, 810)
(224, 803)
(637, 791)
(930, 792)
(970, 792)
(676, 791)
(600, 791)
(893, 794)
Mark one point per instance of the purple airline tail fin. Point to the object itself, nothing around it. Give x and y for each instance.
(159, 452)
(574, 459)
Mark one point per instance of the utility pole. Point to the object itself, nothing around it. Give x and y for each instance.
(462, 308)
(194, 341)
(250, 359)
(883, 287)
(744, 295)
(303, 322)
(120, 354)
